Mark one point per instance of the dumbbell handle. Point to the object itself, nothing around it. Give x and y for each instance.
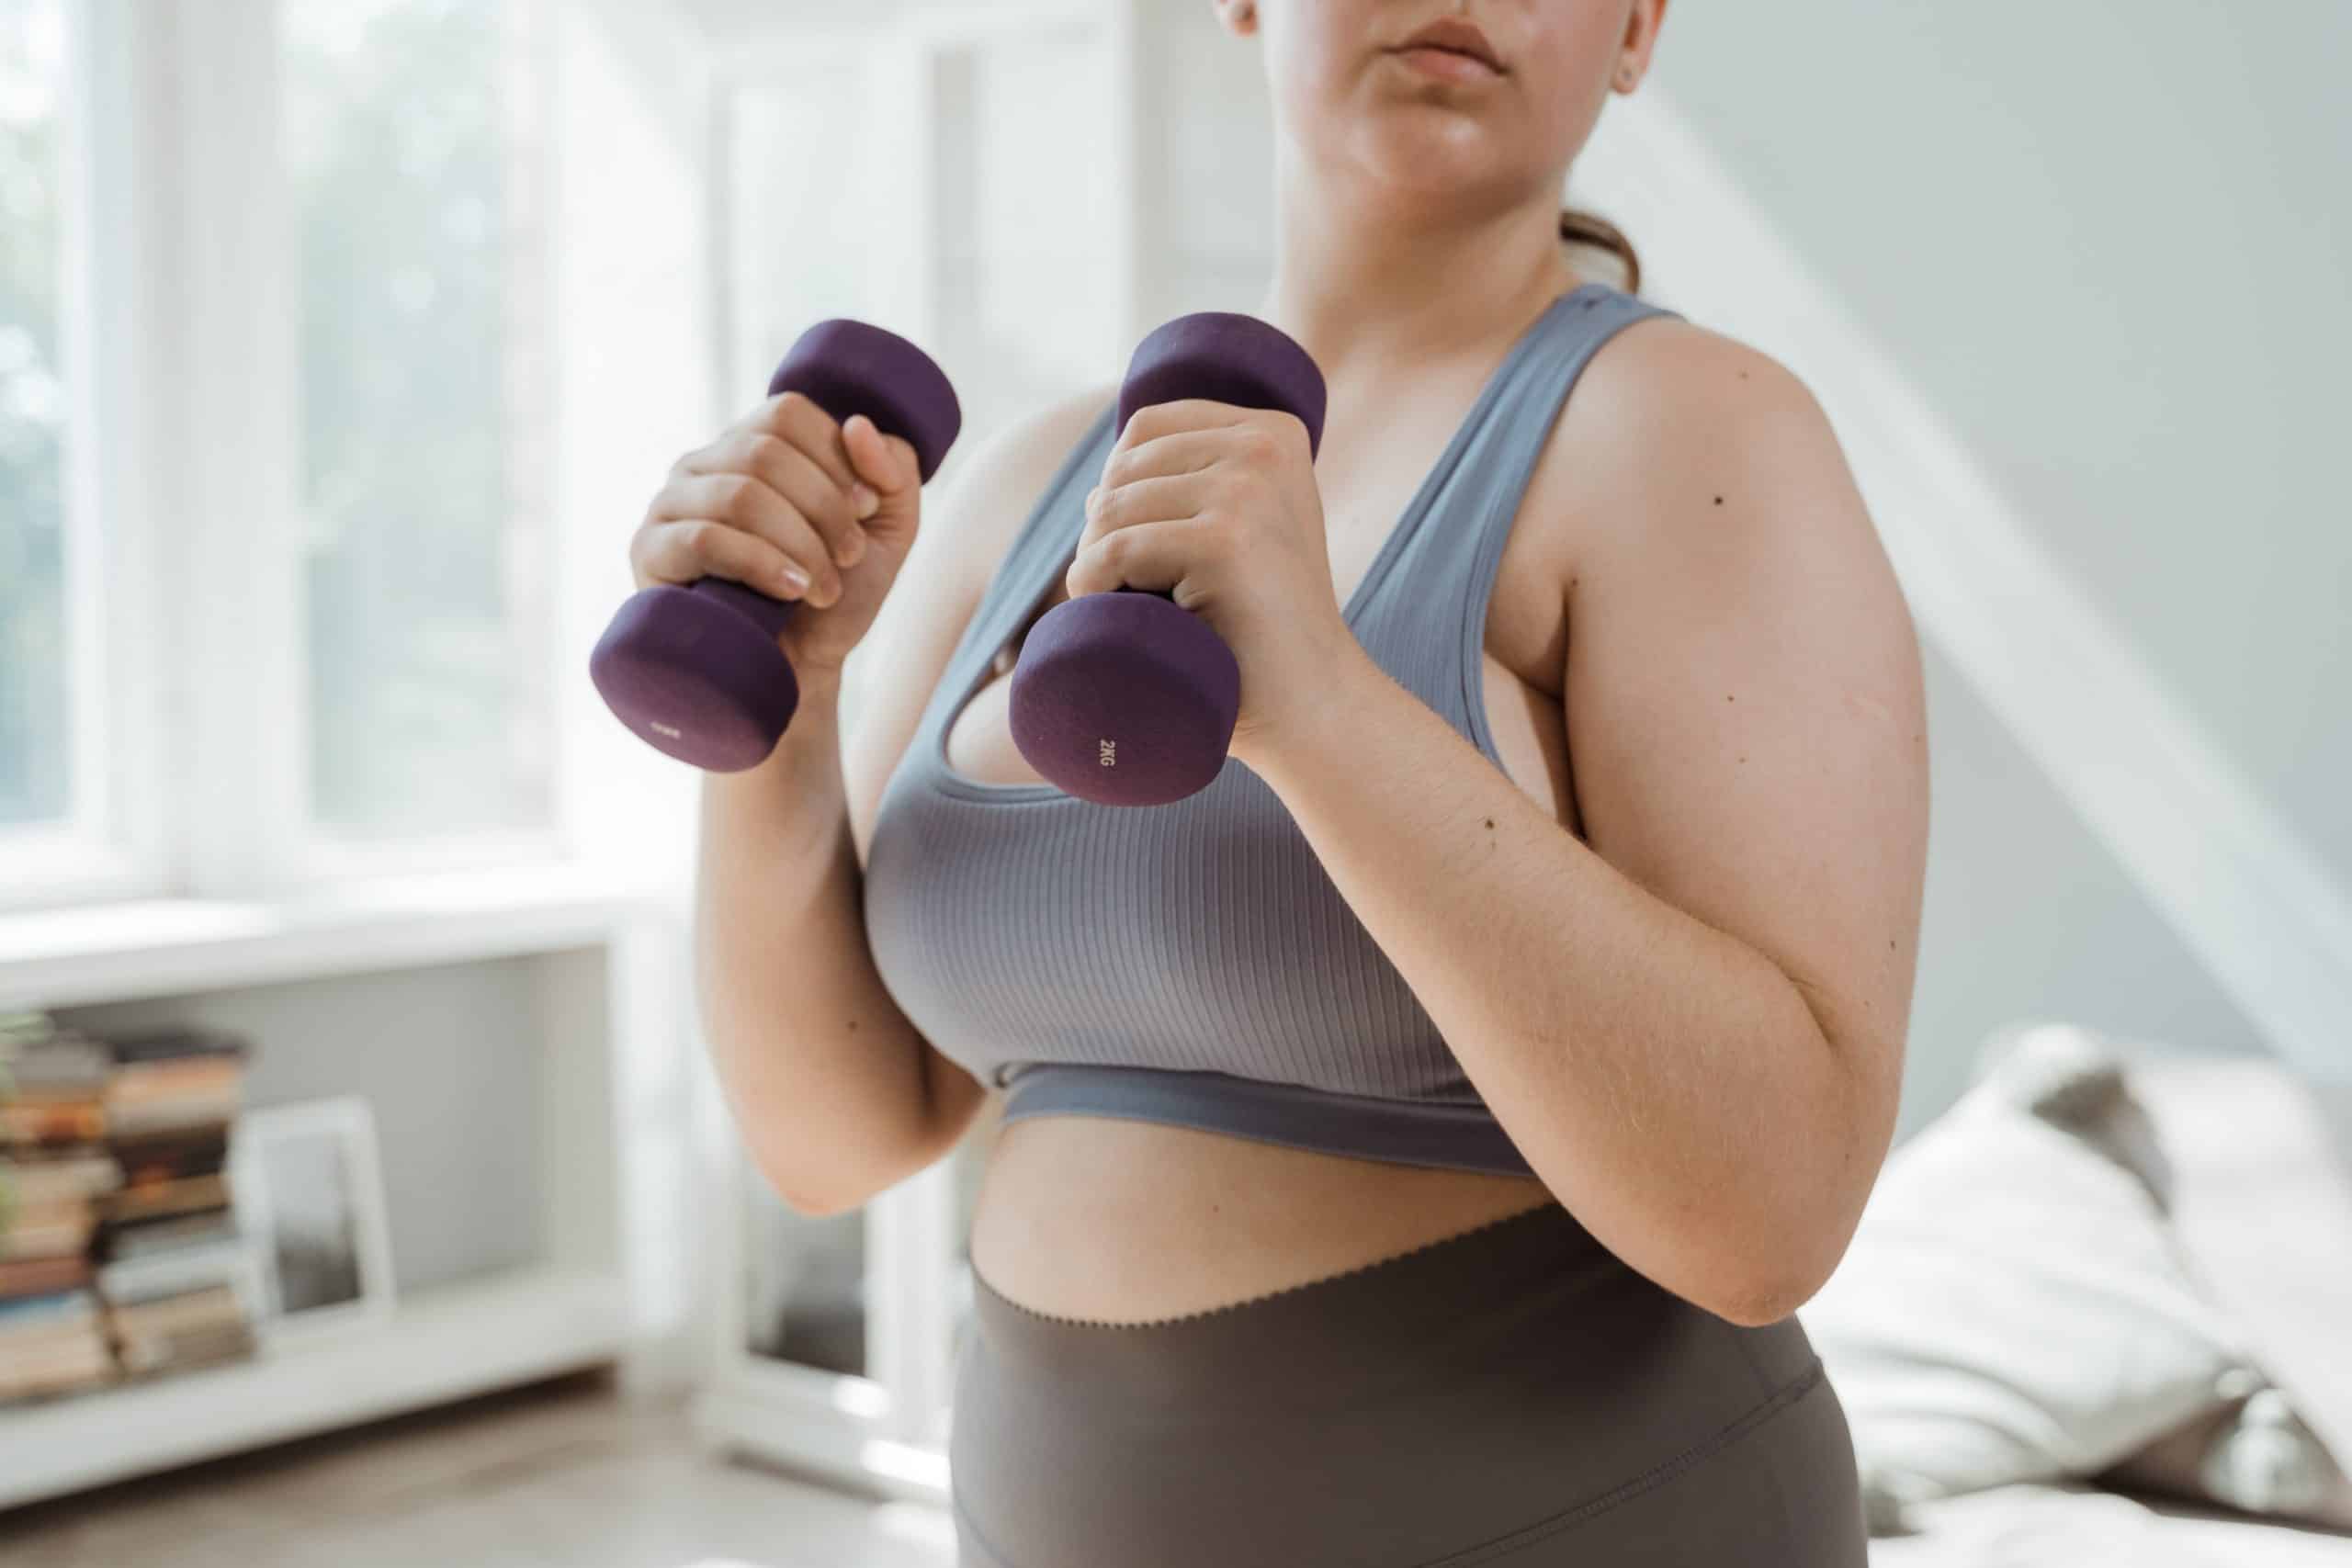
(1227, 359)
(848, 368)
(1128, 698)
(698, 671)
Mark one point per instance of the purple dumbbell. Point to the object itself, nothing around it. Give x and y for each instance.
(1127, 698)
(696, 670)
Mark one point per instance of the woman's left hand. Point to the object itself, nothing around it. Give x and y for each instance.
(1218, 503)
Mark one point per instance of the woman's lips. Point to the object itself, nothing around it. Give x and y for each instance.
(1445, 64)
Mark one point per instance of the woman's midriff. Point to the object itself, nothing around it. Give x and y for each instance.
(1117, 1220)
(1128, 1222)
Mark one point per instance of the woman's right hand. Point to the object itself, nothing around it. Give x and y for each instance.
(790, 502)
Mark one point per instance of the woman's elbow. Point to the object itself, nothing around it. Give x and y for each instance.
(1753, 1289)
(1759, 1298)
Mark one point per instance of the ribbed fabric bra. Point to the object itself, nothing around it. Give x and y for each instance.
(1193, 964)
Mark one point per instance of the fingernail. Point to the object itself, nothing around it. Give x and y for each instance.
(794, 579)
(866, 501)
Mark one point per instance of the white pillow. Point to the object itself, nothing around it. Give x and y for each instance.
(2012, 1307)
(2260, 1202)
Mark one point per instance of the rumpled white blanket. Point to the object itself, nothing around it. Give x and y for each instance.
(2017, 1307)
(2075, 1524)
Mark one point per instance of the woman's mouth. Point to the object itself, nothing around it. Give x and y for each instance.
(1445, 64)
(1449, 49)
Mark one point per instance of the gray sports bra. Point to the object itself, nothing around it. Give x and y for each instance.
(1192, 963)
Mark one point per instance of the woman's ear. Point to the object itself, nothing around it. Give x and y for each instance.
(1642, 22)
(1239, 18)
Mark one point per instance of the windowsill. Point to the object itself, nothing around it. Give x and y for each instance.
(151, 947)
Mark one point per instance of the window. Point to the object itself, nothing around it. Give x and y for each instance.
(419, 522)
(276, 586)
(37, 725)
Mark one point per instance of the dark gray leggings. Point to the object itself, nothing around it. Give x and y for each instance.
(1510, 1397)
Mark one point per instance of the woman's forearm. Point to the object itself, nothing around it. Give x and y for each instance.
(824, 1074)
(1668, 1081)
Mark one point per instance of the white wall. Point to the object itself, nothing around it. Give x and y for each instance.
(2107, 241)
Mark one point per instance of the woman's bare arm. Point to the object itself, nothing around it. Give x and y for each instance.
(1692, 1023)
(838, 1096)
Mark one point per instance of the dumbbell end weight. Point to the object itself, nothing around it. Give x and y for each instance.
(1125, 699)
(697, 670)
(698, 674)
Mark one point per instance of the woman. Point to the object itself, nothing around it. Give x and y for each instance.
(1446, 1110)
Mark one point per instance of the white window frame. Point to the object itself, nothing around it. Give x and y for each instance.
(182, 572)
(108, 843)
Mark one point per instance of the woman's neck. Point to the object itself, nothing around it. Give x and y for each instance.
(1361, 289)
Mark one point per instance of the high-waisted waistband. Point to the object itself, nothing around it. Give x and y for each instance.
(1487, 1398)
(1337, 1335)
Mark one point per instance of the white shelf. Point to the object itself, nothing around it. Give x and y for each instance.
(445, 1344)
(161, 946)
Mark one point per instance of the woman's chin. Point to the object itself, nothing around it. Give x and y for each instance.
(1447, 171)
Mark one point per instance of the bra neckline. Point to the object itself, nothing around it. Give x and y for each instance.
(944, 777)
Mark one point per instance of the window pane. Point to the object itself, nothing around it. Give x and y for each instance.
(36, 739)
(428, 712)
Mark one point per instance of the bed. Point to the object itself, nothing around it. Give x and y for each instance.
(2078, 1524)
(2099, 1312)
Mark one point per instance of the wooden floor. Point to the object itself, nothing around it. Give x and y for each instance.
(566, 1473)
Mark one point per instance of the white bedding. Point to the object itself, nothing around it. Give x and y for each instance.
(2072, 1525)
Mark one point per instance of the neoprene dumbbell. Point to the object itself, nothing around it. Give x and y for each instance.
(696, 670)
(1127, 698)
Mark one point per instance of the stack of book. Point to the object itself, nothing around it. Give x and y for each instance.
(56, 1173)
(175, 1274)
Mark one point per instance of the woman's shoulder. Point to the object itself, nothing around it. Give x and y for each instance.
(1667, 380)
(1026, 450)
(987, 497)
(1670, 413)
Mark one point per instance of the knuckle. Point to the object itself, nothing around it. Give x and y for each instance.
(699, 538)
(739, 493)
(831, 509)
(766, 449)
